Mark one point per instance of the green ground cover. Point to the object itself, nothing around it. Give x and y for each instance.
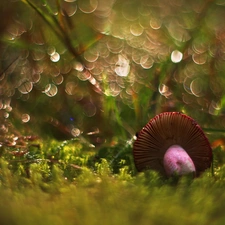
(68, 183)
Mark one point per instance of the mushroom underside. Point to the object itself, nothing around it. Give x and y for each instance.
(166, 130)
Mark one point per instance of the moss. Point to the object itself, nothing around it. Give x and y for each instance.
(96, 194)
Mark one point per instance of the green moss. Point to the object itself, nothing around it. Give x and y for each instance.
(95, 194)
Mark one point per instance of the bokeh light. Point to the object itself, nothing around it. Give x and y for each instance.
(25, 118)
(55, 57)
(50, 90)
(25, 87)
(122, 66)
(94, 50)
(176, 56)
(87, 6)
(75, 132)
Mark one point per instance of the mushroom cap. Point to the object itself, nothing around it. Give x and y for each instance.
(165, 130)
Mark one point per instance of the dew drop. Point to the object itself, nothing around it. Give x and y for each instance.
(69, 9)
(90, 109)
(51, 50)
(75, 132)
(25, 118)
(214, 108)
(199, 59)
(78, 66)
(130, 11)
(114, 89)
(25, 87)
(90, 57)
(6, 115)
(58, 80)
(136, 29)
(38, 55)
(176, 56)
(35, 77)
(55, 57)
(70, 88)
(146, 62)
(155, 24)
(50, 90)
(87, 6)
(122, 66)
(196, 87)
(84, 75)
(164, 90)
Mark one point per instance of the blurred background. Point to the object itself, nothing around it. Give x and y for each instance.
(102, 69)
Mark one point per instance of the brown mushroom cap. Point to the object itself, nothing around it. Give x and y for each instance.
(165, 130)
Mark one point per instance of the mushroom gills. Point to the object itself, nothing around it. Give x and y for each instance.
(177, 162)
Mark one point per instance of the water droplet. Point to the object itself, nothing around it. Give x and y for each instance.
(196, 87)
(186, 85)
(130, 11)
(187, 99)
(55, 57)
(164, 90)
(176, 56)
(87, 6)
(50, 90)
(69, 9)
(90, 109)
(75, 132)
(114, 89)
(25, 87)
(51, 50)
(199, 59)
(214, 108)
(38, 55)
(70, 88)
(25, 118)
(122, 66)
(90, 57)
(35, 77)
(146, 62)
(155, 23)
(136, 29)
(58, 80)
(6, 115)
(114, 45)
(3, 129)
(97, 70)
(84, 75)
(8, 109)
(78, 66)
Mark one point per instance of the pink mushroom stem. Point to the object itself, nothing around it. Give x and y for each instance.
(177, 161)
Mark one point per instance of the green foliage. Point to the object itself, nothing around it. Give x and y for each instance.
(71, 189)
(119, 156)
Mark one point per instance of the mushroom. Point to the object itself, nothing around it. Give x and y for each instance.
(172, 143)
